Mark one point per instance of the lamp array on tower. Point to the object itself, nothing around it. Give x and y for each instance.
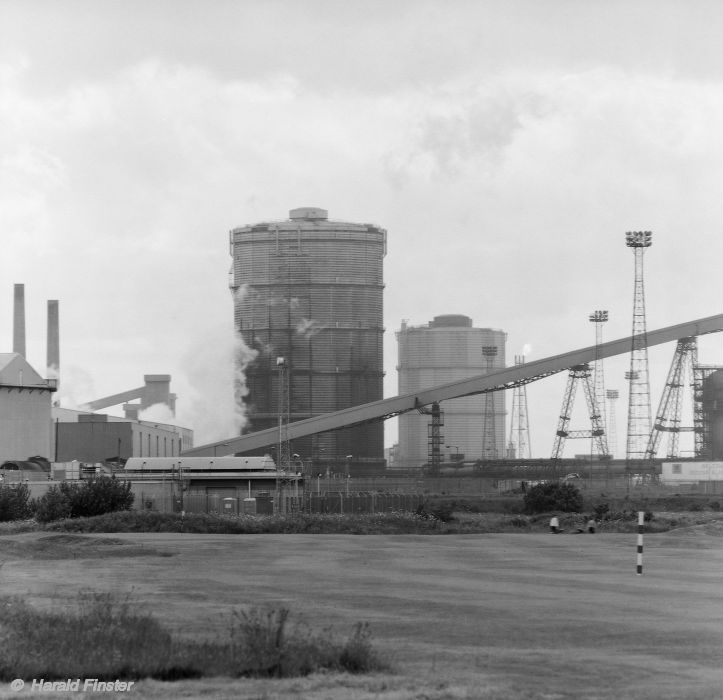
(639, 420)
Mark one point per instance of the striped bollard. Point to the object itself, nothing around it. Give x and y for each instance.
(641, 520)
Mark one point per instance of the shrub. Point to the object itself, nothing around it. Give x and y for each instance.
(601, 511)
(94, 497)
(15, 503)
(439, 511)
(266, 644)
(553, 496)
(53, 505)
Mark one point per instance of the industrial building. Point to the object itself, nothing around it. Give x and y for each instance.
(310, 290)
(25, 405)
(31, 425)
(446, 349)
(228, 485)
(97, 437)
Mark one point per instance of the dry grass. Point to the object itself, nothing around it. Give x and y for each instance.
(108, 637)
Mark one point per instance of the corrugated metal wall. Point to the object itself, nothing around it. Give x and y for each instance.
(429, 356)
(311, 291)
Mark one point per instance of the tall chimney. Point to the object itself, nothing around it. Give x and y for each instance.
(53, 340)
(19, 320)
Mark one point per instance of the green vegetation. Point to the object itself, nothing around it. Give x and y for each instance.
(368, 524)
(15, 503)
(553, 496)
(111, 639)
(93, 497)
(297, 523)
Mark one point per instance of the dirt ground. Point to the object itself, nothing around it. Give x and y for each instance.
(475, 616)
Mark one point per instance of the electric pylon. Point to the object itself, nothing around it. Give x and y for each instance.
(668, 417)
(519, 426)
(579, 373)
(598, 318)
(489, 432)
(639, 420)
(612, 396)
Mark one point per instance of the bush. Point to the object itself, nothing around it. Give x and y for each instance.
(53, 505)
(265, 644)
(439, 511)
(15, 503)
(553, 496)
(602, 511)
(94, 497)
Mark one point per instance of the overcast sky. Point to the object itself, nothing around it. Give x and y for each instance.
(506, 147)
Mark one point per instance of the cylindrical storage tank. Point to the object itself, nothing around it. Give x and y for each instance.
(713, 413)
(310, 290)
(447, 349)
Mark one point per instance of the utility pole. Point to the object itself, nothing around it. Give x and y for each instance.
(489, 432)
(283, 456)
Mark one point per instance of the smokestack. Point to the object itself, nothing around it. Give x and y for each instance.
(53, 340)
(19, 320)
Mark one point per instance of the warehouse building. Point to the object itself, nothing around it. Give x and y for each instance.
(310, 290)
(97, 437)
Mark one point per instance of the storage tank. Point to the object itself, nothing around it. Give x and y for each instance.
(310, 289)
(713, 413)
(447, 349)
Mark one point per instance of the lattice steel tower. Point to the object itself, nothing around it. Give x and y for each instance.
(669, 415)
(612, 396)
(599, 317)
(489, 432)
(519, 425)
(639, 419)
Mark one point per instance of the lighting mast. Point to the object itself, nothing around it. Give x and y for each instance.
(599, 317)
(639, 418)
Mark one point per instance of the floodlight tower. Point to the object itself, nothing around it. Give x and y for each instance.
(599, 317)
(489, 433)
(639, 418)
(612, 396)
(519, 425)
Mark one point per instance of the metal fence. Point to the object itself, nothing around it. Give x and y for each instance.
(361, 502)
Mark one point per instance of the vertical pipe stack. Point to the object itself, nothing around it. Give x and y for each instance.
(53, 358)
(19, 320)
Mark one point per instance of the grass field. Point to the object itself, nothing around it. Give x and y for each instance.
(459, 616)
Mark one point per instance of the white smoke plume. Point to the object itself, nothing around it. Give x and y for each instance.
(158, 413)
(76, 389)
(211, 403)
